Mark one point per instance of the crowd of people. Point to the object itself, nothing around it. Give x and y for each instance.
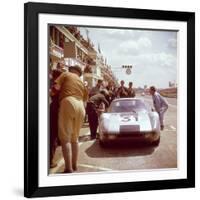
(72, 100)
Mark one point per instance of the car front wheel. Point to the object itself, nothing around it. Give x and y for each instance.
(103, 143)
(155, 142)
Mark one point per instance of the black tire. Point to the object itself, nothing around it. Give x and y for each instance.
(156, 142)
(102, 143)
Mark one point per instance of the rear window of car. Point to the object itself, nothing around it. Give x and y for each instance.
(127, 106)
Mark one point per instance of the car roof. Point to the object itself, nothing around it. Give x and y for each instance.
(128, 99)
(146, 105)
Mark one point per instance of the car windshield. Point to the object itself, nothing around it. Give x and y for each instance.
(127, 106)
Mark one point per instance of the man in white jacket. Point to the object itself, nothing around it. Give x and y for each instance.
(160, 105)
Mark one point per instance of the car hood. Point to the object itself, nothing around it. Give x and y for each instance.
(126, 122)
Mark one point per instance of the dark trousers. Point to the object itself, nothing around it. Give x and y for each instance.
(53, 127)
(92, 119)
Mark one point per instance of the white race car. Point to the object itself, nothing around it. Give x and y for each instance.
(129, 119)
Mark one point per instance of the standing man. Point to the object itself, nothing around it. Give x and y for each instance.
(97, 88)
(122, 91)
(93, 107)
(160, 105)
(131, 91)
(71, 114)
(54, 104)
(111, 91)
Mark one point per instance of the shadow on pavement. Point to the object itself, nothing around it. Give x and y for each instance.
(118, 150)
(85, 125)
(84, 138)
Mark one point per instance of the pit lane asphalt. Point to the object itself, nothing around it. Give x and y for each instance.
(93, 158)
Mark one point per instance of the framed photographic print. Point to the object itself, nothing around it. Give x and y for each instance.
(109, 99)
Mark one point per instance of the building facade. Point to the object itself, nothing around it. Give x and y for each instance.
(67, 45)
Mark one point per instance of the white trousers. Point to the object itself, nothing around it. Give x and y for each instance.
(161, 115)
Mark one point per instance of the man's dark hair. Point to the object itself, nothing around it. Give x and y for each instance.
(153, 88)
(76, 68)
(104, 92)
(99, 81)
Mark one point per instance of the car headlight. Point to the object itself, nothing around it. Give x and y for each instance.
(106, 136)
(112, 137)
(148, 135)
(151, 135)
(104, 124)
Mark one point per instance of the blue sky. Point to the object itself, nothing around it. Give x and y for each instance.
(153, 54)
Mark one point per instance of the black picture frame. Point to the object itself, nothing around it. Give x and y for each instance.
(31, 150)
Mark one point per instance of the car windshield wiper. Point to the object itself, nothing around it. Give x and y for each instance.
(136, 116)
(134, 111)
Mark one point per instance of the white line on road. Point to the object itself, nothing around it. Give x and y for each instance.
(95, 167)
(172, 127)
(88, 142)
(170, 130)
(173, 106)
(62, 162)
